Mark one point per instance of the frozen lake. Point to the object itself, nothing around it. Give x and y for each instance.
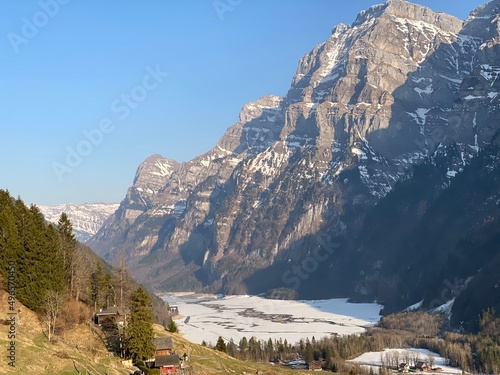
(206, 317)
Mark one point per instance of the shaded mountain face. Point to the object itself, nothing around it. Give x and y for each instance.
(282, 201)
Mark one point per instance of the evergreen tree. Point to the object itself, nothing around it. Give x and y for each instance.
(39, 263)
(172, 327)
(139, 335)
(270, 349)
(10, 245)
(308, 352)
(243, 348)
(221, 345)
(97, 280)
(232, 349)
(69, 250)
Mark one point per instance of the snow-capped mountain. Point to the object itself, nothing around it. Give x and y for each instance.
(87, 218)
(282, 200)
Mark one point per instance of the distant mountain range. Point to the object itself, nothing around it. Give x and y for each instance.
(375, 177)
(86, 218)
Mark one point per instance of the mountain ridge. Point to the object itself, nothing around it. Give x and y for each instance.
(87, 218)
(398, 86)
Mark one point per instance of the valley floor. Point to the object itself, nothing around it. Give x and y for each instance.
(206, 317)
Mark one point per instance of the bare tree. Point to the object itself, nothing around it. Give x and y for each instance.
(382, 360)
(407, 357)
(396, 358)
(81, 274)
(415, 357)
(388, 359)
(51, 307)
(430, 360)
(122, 280)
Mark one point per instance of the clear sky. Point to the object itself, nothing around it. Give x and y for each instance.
(90, 88)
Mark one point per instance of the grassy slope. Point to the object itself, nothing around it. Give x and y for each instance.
(34, 355)
(206, 361)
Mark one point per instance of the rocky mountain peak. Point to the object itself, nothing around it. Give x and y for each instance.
(150, 178)
(408, 11)
(365, 108)
(154, 171)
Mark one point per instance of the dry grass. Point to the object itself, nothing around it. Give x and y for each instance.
(71, 350)
(77, 349)
(206, 361)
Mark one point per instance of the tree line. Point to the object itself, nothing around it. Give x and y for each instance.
(474, 352)
(64, 281)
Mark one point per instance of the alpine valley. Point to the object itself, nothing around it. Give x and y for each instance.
(377, 176)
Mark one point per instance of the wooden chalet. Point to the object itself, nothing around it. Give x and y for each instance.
(164, 345)
(113, 315)
(168, 364)
(314, 366)
(422, 366)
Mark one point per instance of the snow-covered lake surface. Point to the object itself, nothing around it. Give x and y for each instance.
(206, 317)
(372, 359)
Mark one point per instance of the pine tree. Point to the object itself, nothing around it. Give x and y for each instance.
(221, 345)
(243, 348)
(232, 349)
(172, 327)
(97, 287)
(10, 245)
(39, 263)
(139, 335)
(308, 352)
(69, 250)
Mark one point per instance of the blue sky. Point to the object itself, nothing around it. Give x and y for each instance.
(114, 82)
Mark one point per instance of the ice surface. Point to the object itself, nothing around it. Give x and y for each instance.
(246, 316)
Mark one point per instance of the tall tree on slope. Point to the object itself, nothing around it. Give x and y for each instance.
(139, 336)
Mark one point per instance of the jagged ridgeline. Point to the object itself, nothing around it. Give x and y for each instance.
(282, 201)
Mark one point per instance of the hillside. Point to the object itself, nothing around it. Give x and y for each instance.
(75, 349)
(78, 349)
(207, 361)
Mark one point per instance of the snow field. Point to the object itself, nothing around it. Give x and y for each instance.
(205, 317)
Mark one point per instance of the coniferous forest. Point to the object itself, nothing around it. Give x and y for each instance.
(49, 272)
(474, 352)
